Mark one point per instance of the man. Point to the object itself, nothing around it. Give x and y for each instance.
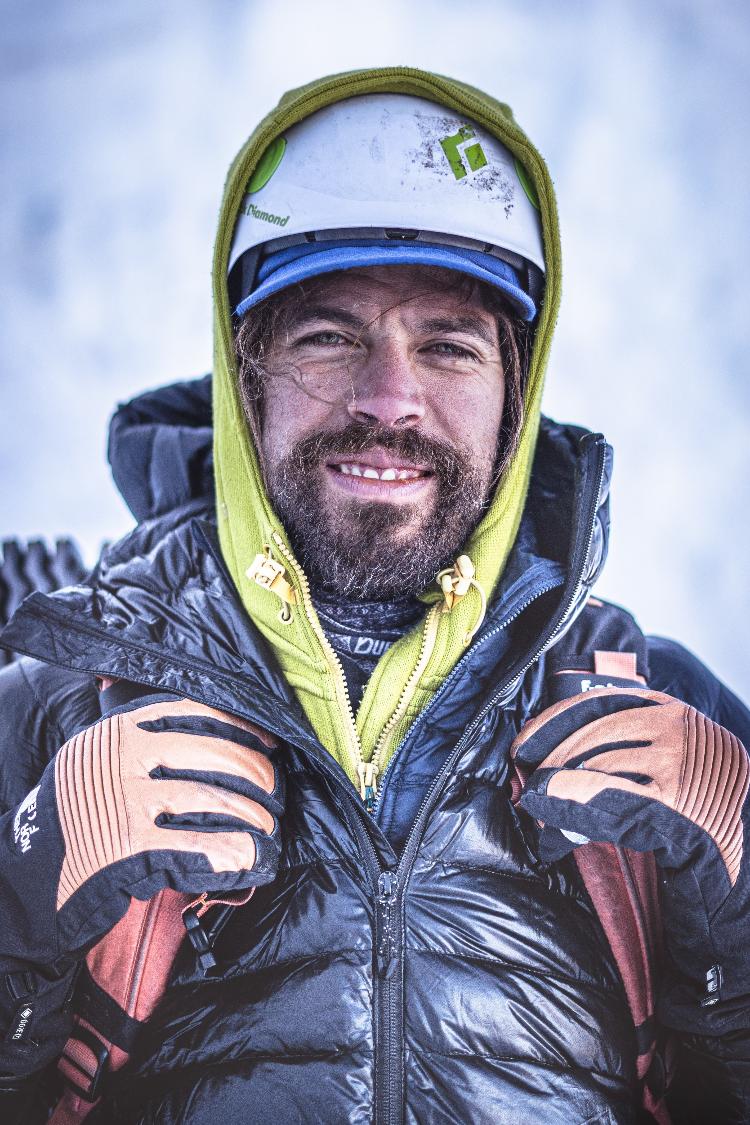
(321, 682)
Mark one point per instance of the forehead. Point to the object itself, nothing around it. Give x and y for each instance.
(412, 287)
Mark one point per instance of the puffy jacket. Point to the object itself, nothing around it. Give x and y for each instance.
(418, 965)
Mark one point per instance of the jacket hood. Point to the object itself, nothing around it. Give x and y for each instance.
(160, 448)
(249, 530)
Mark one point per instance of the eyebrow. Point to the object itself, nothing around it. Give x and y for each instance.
(326, 312)
(472, 325)
(469, 324)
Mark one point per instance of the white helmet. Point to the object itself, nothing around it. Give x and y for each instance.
(387, 179)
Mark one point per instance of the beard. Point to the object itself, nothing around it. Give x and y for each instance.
(374, 550)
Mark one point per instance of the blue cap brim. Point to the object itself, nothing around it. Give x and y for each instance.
(302, 261)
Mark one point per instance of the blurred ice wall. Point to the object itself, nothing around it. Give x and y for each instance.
(118, 123)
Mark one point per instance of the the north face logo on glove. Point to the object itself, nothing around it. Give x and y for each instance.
(23, 822)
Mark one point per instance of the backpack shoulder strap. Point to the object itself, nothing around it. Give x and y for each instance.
(124, 978)
(127, 971)
(623, 888)
(606, 648)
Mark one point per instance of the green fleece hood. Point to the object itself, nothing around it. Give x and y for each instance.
(277, 595)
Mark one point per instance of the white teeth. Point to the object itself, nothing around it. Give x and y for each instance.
(369, 473)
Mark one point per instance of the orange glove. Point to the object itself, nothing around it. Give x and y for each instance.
(168, 793)
(642, 770)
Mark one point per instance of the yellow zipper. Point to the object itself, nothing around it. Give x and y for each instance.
(366, 772)
(336, 668)
(429, 636)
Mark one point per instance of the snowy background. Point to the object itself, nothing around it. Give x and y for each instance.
(119, 120)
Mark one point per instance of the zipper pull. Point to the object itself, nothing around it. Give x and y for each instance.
(270, 574)
(387, 887)
(368, 784)
(455, 583)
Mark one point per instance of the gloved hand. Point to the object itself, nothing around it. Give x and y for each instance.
(642, 770)
(166, 793)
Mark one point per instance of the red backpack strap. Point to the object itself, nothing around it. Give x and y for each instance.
(604, 647)
(127, 972)
(619, 665)
(623, 888)
(622, 884)
(125, 977)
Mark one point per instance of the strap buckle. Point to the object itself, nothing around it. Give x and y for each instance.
(202, 936)
(77, 1061)
(200, 939)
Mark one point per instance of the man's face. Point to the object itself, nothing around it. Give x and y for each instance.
(382, 402)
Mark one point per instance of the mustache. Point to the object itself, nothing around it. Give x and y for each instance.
(449, 463)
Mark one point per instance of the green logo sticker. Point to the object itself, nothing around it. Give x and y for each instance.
(526, 183)
(458, 148)
(267, 165)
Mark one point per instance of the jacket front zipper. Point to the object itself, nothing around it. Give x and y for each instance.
(389, 939)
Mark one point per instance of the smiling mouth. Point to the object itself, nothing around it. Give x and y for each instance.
(370, 472)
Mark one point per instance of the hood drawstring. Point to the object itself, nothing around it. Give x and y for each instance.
(455, 584)
(270, 574)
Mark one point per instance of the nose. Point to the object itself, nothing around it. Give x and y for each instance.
(386, 391)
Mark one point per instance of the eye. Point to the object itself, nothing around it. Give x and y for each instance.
(452, 350)
(325, 339)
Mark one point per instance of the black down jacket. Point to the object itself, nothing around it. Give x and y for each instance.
(421, 965)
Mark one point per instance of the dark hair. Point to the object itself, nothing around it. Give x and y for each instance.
(259, 327)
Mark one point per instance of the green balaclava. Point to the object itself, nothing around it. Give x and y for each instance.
(270, 581)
